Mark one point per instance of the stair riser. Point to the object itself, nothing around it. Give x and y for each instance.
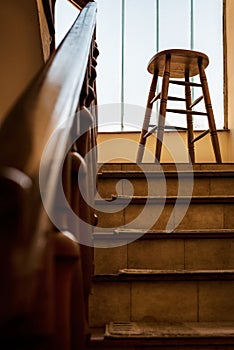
(166, 254)
(171, 301)
(155, 186)
(168, 217)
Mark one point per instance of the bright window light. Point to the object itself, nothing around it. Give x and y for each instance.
(129, 34)
(65, 15)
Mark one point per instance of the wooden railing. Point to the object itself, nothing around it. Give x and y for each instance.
(50, 133)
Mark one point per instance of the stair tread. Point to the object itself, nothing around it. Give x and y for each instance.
(162, 275)
(169, 173)
(176, 231)
(123, 233)
(159, 197)
(176, 271)
(128, 167)
(149, 333)
(156, 329)
(212, 199)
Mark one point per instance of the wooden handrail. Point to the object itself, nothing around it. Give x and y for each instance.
(49, 104)
(45, 112)
(80, 3)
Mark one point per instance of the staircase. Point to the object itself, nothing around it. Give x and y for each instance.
(165, 283)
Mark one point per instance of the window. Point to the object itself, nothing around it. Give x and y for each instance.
(130, 32)
(65, 16)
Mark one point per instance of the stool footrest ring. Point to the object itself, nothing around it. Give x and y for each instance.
(204, 133)
(166, 127)
(184, 83)
(188, 111)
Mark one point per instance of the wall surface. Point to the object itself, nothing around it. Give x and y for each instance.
(123, 147)
(21, 54)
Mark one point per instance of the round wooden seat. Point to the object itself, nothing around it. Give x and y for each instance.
(181, 61)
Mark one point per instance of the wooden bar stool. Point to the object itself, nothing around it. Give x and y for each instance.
(178, 64)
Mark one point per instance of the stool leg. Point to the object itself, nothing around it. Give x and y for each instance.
(163, 107)
(147, 117)
(189, 119)
(209, 110)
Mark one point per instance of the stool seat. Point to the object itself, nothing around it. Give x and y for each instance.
(182, 61)
(180, 64)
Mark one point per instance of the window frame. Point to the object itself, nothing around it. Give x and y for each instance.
(225, 79)
(223, 125)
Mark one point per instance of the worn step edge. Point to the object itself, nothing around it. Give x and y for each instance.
(202, 333)
(142, 275)
(125, 234)
(122, 199)
(163, 166)
(168, 174)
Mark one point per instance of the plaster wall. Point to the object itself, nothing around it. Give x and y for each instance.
(21, 54)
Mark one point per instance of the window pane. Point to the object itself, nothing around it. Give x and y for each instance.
(139, 47)
(208, 38)
(65, 16)
(109, 30)
(174, 32)
(141, 30)
(174, 24)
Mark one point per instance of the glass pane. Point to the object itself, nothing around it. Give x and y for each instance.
(174, 32)
(140, 42)
(208, 38)
(174, 24)
(65, 15)
(109, 34)
(139, 47)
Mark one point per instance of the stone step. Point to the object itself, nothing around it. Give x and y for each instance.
(127, 166)
(170, 250)
(143, 275)
(167, 336)
(163, 296)
(154, 183)
(188, 250)
(166, 213)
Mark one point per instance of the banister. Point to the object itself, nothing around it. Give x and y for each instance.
(80, 3)
(49, 104)
(46, 114)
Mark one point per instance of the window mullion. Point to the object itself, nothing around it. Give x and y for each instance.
(122, 63)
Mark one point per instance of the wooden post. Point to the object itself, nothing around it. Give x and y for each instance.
(163, 106)
(210, 114)
(189, 119)
(147, 117)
